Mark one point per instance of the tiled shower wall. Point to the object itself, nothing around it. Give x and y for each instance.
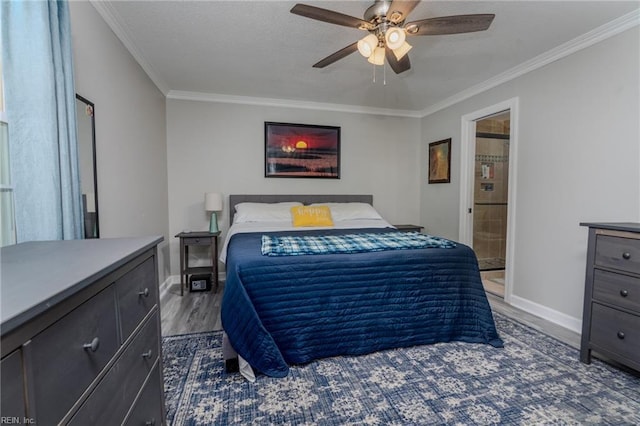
(490, 194)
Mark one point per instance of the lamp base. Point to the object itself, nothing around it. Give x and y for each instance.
(213, 225)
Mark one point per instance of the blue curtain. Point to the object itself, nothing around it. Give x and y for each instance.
(40, 105)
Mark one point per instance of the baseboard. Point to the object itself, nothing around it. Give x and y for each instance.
(563, 320)
(172, 279)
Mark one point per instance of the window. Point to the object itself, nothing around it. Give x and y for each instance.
(7, 217)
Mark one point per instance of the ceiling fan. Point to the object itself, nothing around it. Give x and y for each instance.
(385, 22)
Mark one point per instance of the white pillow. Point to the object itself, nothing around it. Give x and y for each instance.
(264, 212)
(351, 211)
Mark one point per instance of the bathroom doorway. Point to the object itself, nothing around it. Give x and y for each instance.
(473, 185)
(490, 199)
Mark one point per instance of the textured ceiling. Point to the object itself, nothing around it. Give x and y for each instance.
(258, 49)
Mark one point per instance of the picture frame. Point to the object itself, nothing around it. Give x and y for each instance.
(440, 161)
(301, 151)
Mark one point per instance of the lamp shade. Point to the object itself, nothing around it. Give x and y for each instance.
(213, 202)
(378, 56)
(367, 45)
(402, 50)
(394, 37)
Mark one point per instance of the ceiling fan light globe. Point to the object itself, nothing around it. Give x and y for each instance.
(378, 56)
(402, 50)
(395, 37)
(367, 45)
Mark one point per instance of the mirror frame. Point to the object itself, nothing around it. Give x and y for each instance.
(90, 104)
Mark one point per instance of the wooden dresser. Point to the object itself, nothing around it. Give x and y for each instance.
(611, 318)
(81, 333)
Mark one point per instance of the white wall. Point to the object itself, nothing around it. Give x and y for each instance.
(218, 147)
(130, 131)
(578, 160)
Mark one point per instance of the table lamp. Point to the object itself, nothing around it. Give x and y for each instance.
(213, 204)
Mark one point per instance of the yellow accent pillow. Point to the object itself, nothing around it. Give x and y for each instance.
(311, 216)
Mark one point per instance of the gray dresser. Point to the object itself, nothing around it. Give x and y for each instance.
(611, 319)
(81, 333)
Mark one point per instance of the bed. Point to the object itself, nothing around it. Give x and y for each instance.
(279, 310)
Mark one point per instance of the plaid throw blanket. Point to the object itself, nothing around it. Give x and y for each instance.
(349, 243)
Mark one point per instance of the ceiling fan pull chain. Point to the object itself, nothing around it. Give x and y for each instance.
(384, 75)
(374, 73)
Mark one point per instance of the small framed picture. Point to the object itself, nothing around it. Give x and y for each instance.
(301, 151)
(440, 161)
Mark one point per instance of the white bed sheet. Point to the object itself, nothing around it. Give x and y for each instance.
(247, 227)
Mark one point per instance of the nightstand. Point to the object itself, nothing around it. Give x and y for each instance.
(409, 228)
(203, 238)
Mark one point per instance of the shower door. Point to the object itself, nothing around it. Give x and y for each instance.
(490, 194)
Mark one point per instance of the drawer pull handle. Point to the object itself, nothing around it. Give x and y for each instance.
(624, 293)
(93, 346)
(144, 293)
(147, 354)
(626, 255)
(620, 335)
(151, 422)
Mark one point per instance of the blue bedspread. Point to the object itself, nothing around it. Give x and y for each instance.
(286, 310)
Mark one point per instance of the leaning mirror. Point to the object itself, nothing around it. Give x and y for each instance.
(85, 118)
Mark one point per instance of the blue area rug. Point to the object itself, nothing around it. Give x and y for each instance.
(534, 379)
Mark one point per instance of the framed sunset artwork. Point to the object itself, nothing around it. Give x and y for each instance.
(301, 151)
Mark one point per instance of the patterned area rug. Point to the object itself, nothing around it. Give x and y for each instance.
(534, 379)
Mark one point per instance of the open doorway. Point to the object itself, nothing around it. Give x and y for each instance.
(490, 199)
(488, 164)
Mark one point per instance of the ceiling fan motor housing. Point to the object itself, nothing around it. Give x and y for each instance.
(380, 22)
(377, 11)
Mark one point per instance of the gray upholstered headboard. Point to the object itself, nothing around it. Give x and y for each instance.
(304, 199)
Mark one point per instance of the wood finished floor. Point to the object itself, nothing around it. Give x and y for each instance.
(192, 313)
(200, 311)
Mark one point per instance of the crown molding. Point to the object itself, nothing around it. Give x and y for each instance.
(105, 10)
(590, 38)
(287, 103)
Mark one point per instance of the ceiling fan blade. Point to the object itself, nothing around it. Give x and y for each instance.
(450, 25)
(329, 16)
(400, 9)
(398, 66)
(346, 51)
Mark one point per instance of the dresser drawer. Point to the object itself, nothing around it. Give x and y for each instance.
(12, 396)
(112, 398)
(617, 289)
(137, 293)
(618, 253)
(616, 331)
(63, 361)
(148, 409)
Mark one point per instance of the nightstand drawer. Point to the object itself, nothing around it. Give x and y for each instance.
(197, 241)
(618, 253)
(68, 356)
(137, 293)
(616, 331)
(617, 289)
